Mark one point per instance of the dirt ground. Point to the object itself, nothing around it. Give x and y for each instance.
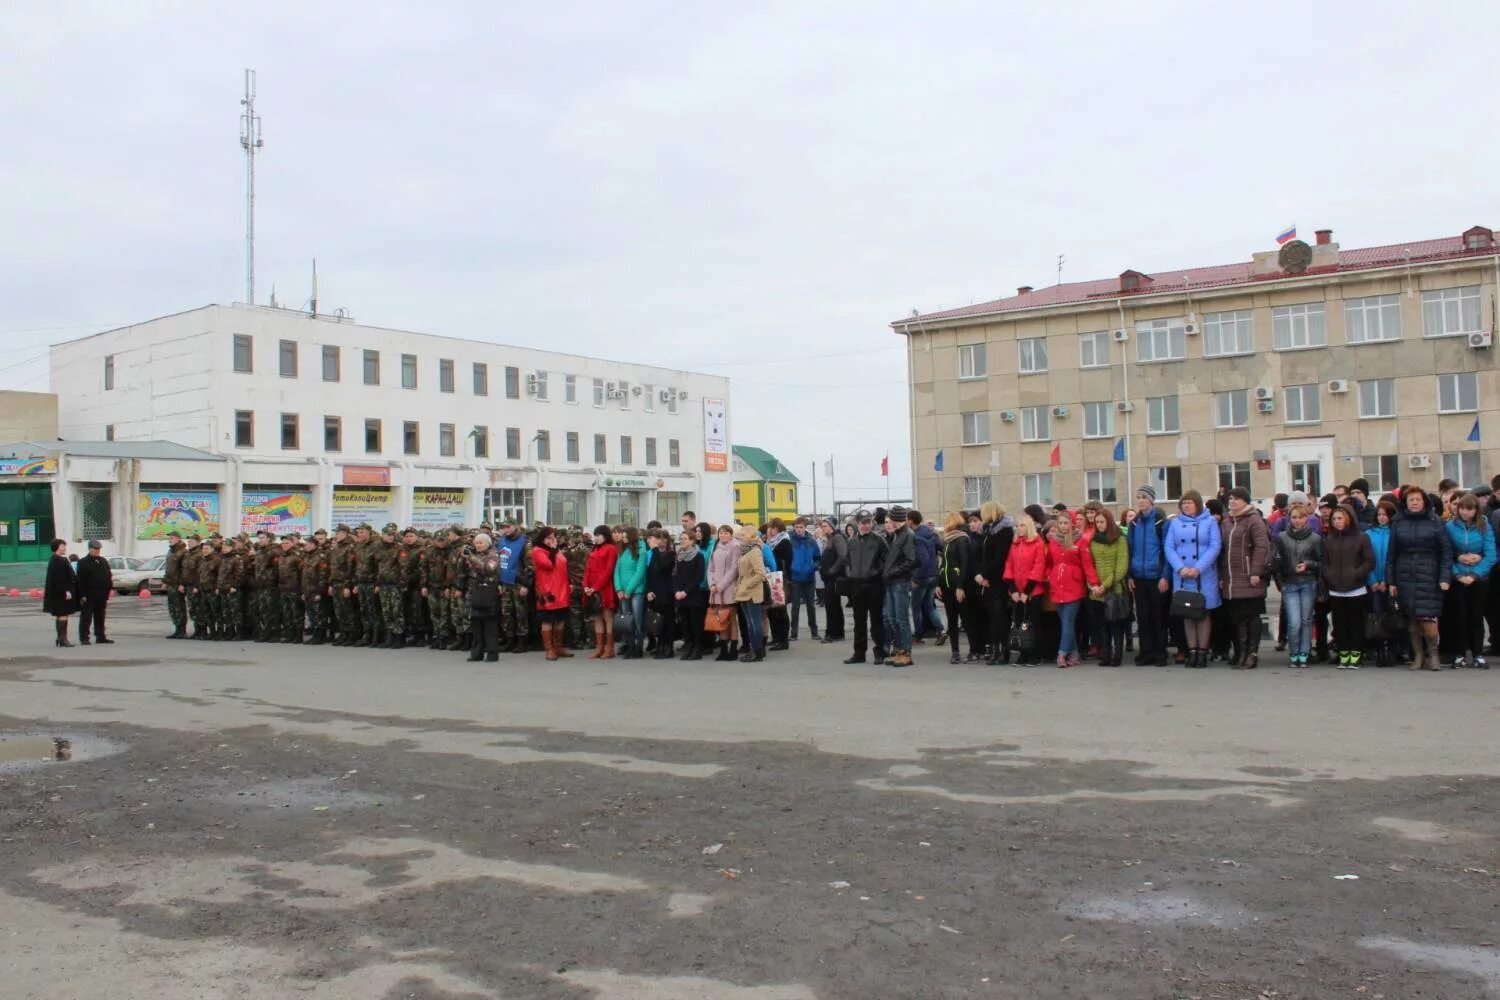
(255, 822)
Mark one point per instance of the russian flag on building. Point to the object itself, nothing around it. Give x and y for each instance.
(1286, 235)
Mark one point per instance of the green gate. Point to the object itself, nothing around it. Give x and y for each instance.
(26, 525)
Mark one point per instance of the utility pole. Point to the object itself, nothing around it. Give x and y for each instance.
(251, 142)
(815, 489)
(1059, 268)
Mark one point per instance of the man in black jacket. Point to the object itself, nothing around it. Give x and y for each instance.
(900, 565)
(867, 552)
(833, 566)
(95, 584)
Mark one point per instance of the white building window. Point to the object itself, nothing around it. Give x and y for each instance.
(599, 392)
(1297, 327)
(408, 371)
(976, 428)
(1036, 423)
(372, 367)
(1099, 484)
(109, 372)
(674, 452)
(244, 353)
(1372, 319)
(1382, 471)
(287, 353)
(601, 449)
(971, 361)
(1304, 404)
(1458, 393)
(1228, 333)
(1232, 408)
(978, 490)
(1462, 467)
(1093, 349)
(445, 375)
(1036, 487)
(1162, 415)
(481, 379)
(1098, 420)
(1451, 312)
(1168, 481)
(650, 397)
(1160, 340)
(1232, 474)
(1033, 355)
(1377, 398)
(570, 388)
(624, 395)
(570, 445)
(331, 363)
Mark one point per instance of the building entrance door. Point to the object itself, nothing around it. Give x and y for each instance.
(516, 514)
(1305, 465)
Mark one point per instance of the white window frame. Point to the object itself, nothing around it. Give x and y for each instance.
(650, 399)
(1372, 393)
(1458, 381)
(1101, 428)
(1237, 401)
(1229, 475)
(1036, 423)
(1036, 488)
(598, 394)
(978, 490)
(1301, 327)
(1237, 326)
(1378, 313)
(1453, 467)
(1027, 349)
(1101, 485)
(1161, 340)
(1371, 468)
(1462, 306)
(1093, 350)
(1301, 392)
(976, 427)
(1164, 491)
(973, 362)
(1158, 409)
(570, 389)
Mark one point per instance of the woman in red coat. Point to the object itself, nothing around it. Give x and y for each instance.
(1066, 577)
(552, 592)
(599, 593)
(1026, 576)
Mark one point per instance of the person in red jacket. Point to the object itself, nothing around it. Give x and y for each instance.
(1026, 577)
(1066, 583)
(599, 595)
(552, 592)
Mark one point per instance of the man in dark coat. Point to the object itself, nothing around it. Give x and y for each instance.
(95, 584)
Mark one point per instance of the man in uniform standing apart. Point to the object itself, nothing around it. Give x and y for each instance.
(516, 576)
(95, 584)
(289, 586)
(366, 547)
(389, 561)
(172, 580)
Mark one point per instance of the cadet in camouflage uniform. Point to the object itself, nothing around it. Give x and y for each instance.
(265, 571)
(516, 578)
(580, 629)
(390, 564)
(176, 589)
(315, 588)
(367, 547)
(340, 580)
(433, 566)
(231, 565)
(458, 606)
(413, 603)
(289, 586)
(327, 619)
(208, 585)
(191, 559)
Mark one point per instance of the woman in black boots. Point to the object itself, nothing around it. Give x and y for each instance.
(60, 598)
(689, 594)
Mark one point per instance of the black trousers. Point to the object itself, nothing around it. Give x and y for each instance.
(92, 612)
(997, 612)
(780, 622)
(1462, 624)
(867, 599)
(690, 625)
(976, 619)
(486, 632)
(1349, 622)
(833, 610)
(953, 612)
(1151, 619)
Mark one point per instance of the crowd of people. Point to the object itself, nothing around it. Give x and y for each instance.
(1399, 578)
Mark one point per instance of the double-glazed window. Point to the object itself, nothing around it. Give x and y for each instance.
(1297, 327)
(971, 361)
(1372, 318)
(1033, 352)
(976, 427)
(1304, 404)
(1161, 340)
(1232, 408)
(1228, 333)
(1162, 415)
(1451, 312)
(1377, 398)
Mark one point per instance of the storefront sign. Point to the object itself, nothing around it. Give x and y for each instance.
(715, 436)
(34, 466)
(432, 509)
(276, 511)
(28, 530)
(353, 505)
(187, 512)
(366, 475)
(625, 483)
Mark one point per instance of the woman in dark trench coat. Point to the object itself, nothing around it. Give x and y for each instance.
(60, 598)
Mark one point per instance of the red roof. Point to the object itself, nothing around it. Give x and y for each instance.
(1215, 276)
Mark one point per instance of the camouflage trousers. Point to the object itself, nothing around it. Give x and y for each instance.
(319, 612)
(369, 612)
(231, 616)
(458, 613)
(437, 610)
(213, 611)
(513, 612)
(346, 609)
(392, 608)
(416, 612)
(177, 609)
(267, 614)
(198, 609)
(580, 628)
(291, 617)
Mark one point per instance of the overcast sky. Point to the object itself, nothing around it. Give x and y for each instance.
(748, 192)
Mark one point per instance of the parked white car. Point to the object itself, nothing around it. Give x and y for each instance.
(157, 581)
(129, 574)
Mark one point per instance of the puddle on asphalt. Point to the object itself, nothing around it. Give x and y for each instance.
(22, 751)
(1421, 830)
(1158, 908)
(1482, 963)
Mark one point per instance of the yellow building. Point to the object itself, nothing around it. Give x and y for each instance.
(763, 487)
(1301, 369)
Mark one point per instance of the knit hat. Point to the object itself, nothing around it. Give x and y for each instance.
(1329, 500)
(1241, 493)
(1148, 491)
(1296, 498)
(1362, 485)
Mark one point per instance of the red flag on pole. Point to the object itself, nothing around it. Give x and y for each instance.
(885, 466)
(1056, 462)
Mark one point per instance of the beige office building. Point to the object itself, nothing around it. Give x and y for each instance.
(1302, 368)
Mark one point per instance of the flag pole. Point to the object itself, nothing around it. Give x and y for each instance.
(815, 488)
(833, 488)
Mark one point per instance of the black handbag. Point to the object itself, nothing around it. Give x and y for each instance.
(1022, 635)
(655, 621)
(1189, 605)
(624, 620)
(1117, 608)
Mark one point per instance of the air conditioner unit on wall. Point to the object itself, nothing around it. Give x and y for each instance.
(1418, 461)
(1191, 329)
(1338, 385)
(1059, 411)
(1264, 392)
(615, 393)
(531, 384)
(667, 395)
(1125, 406)
(1266, 405)
(1009, 416)
(1481, 338)
(635, 390)
(1121, 336)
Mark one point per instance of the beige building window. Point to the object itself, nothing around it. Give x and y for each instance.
(1093, 349)
(1036, 423)
(1234, 474)
(1382, 471)
(1458, 393)
(978, 490)
(1462, 467)
(1033, 355)
(1228, 333)
(1372, 319)
(1098, 419)
(976, 428)
(1168, 480)
(1099, 484)
(1299, 327)
(1304, 404)
(1162, 415)
(1377, 398)
(1451, 312)
(1232, 409)
(1160, 340)
(972, 362)
(1036, 487)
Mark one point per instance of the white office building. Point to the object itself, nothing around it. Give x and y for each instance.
(320, 420)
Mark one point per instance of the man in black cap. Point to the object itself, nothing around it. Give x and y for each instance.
(833, 565)
(867, 552)
(95, 585)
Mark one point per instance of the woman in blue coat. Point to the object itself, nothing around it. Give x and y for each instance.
(1379, 535)
(1192, 544)
(1462, 626)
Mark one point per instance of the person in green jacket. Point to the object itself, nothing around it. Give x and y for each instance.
(630, 587)
(1107, 569)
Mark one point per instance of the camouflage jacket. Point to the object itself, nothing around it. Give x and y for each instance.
(341, 563)
(435, 564)
(231, 569)
(172, 574)
(369, 553)
(208, 569)
(190, 561)
(265, 565)
(389, 562)
(578, 557)
(409, 564)
(289, 572)
(315, 571)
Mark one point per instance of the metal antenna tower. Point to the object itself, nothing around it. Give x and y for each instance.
(251, 142)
